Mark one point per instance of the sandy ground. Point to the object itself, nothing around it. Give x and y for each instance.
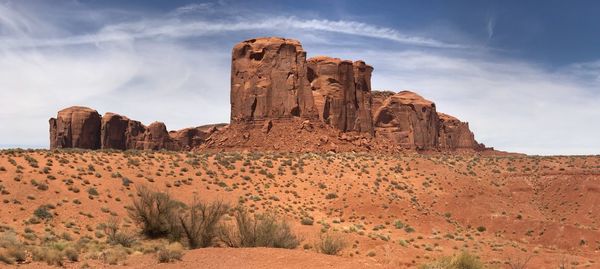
(500, 208)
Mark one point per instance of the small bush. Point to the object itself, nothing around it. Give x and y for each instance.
(113, 256)
(42, 187)
(12, 254)
(330, 244)
(260, 231)
(42, 212)
(199, 222)
(307, 221)
(116, 237)
(51, 256)
(331, 196)
(93, 192)
(71, 254)
(462, 261)
(170, 253)
(156, 212)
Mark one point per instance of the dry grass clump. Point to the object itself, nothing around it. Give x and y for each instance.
(170, 253)
(330, 244)
(11, 250)
(115, 237)
(464, 260)
(262, 230)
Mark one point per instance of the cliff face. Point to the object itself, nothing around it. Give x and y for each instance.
(268, 81)
(280, 100)
(409, 120)
(455, 134)
(82, 127)
(362, 82)
(75, 127)
(342, 93)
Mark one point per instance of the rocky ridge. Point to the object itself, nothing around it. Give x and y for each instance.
(282, 101)
(82, 127)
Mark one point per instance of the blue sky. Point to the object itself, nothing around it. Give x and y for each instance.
(525, 76)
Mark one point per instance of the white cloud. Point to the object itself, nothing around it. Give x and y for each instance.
(510, 105)
(175, 68)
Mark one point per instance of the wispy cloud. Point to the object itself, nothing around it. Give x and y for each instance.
(174, 67)
(176, 25)
(490, 26)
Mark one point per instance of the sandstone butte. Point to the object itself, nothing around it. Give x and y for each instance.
(280, 100)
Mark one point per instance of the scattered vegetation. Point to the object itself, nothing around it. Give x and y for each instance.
(464, 260)
(330, 244)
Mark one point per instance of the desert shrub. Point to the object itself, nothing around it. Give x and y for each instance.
(114, 236)
(42, 186)
(262, 230)
(43, 212)
(462, 261)
(331, 196)
(156, 212)
(307, 221)
(521, 263)
(113, 256)
(330, 244)
(11, 250)
(71, 254)
(93, 192)
(170, 253)
(200, 222)
(50, 255)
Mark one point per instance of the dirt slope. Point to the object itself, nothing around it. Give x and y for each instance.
(394, 210)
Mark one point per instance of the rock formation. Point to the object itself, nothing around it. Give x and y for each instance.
(362, 82)
(409, 120)
(332, 82)
(75, 127)
(281, 101)
(113, 133)
(455, 134)
(377, 99)
(268, 81)
(342, 92)
(82, 127)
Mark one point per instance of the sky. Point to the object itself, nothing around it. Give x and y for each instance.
(525, 76)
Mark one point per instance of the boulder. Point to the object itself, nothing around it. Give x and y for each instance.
(268, 81)
(75, 127)
(409, 120)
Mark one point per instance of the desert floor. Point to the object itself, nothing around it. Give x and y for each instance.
(393, 211)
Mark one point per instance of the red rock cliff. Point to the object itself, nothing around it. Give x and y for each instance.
(268, 81)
